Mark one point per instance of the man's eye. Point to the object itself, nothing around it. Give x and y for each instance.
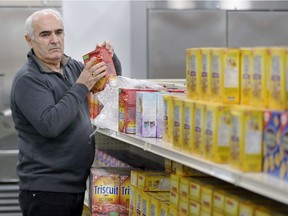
(59, 32)
(45, 34)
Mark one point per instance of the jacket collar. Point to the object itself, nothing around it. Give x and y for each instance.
(43, 67)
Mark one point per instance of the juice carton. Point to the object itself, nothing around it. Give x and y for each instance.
(146, 114)
(193, 72)
(177, 121)
(188, 130)
(216, 136)
(231, 64)
(217, 80)
(284, 146)
(102, 54)
(245, 75)
(272, 156)
(247, 141)
(197, 144)
(206, 74)
(127, 109)
(277, 91)
(259, 91)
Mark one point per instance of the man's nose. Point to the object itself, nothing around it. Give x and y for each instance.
(54, 37)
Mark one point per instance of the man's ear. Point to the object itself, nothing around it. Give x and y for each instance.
(28, 39)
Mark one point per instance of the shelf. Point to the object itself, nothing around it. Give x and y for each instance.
(259, 183)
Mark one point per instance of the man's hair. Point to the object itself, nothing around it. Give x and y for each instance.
(29, 21)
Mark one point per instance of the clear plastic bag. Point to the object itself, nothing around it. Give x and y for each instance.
(108, 117)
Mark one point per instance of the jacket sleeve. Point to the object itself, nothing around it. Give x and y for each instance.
(117, 64)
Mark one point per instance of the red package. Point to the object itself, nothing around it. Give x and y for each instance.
(102, 54)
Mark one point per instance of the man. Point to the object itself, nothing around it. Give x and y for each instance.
(50, 110)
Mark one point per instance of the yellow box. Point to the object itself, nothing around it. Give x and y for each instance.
(206, 73)
(193, 72)
(132, 200)
(194, 208)
(218, 200)
(164, 208)
(182, 170)
(245, 75)
(145, 205)
(204, 212)
(197, 145)
(168, 165)
(231, 64)
(259, 91)
(216, 138)
(184, 206)
(188, 131)
(247, 142)
(277, 91)
(217, 80)
(138, 201)
(168, 117)
(173, 211)
(246, 208)
(184, 187)
(134, 176)
(174, 189)
(155, 202)
(156, 181)
(177, 121)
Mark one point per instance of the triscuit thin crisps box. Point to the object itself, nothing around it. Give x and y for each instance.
(245, 75)
(146, 114)
(231, 63)
(259, 92)
(246, 139)
(272, 156)
(102, 54)
(217, 80)
(104, 188)
(277, 90)
(193, 72)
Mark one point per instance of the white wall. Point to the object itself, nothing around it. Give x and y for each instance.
(90, 22)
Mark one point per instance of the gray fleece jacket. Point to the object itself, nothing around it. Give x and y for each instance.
(51, 116)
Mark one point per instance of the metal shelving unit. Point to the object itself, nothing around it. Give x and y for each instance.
(259, 183)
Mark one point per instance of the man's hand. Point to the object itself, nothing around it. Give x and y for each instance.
(107, 44)
(92, 73)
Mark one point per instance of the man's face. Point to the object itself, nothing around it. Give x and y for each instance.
(48, 42)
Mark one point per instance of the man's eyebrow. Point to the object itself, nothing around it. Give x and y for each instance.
(48, 32)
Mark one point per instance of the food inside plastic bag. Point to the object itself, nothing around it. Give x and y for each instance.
(108, 117)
